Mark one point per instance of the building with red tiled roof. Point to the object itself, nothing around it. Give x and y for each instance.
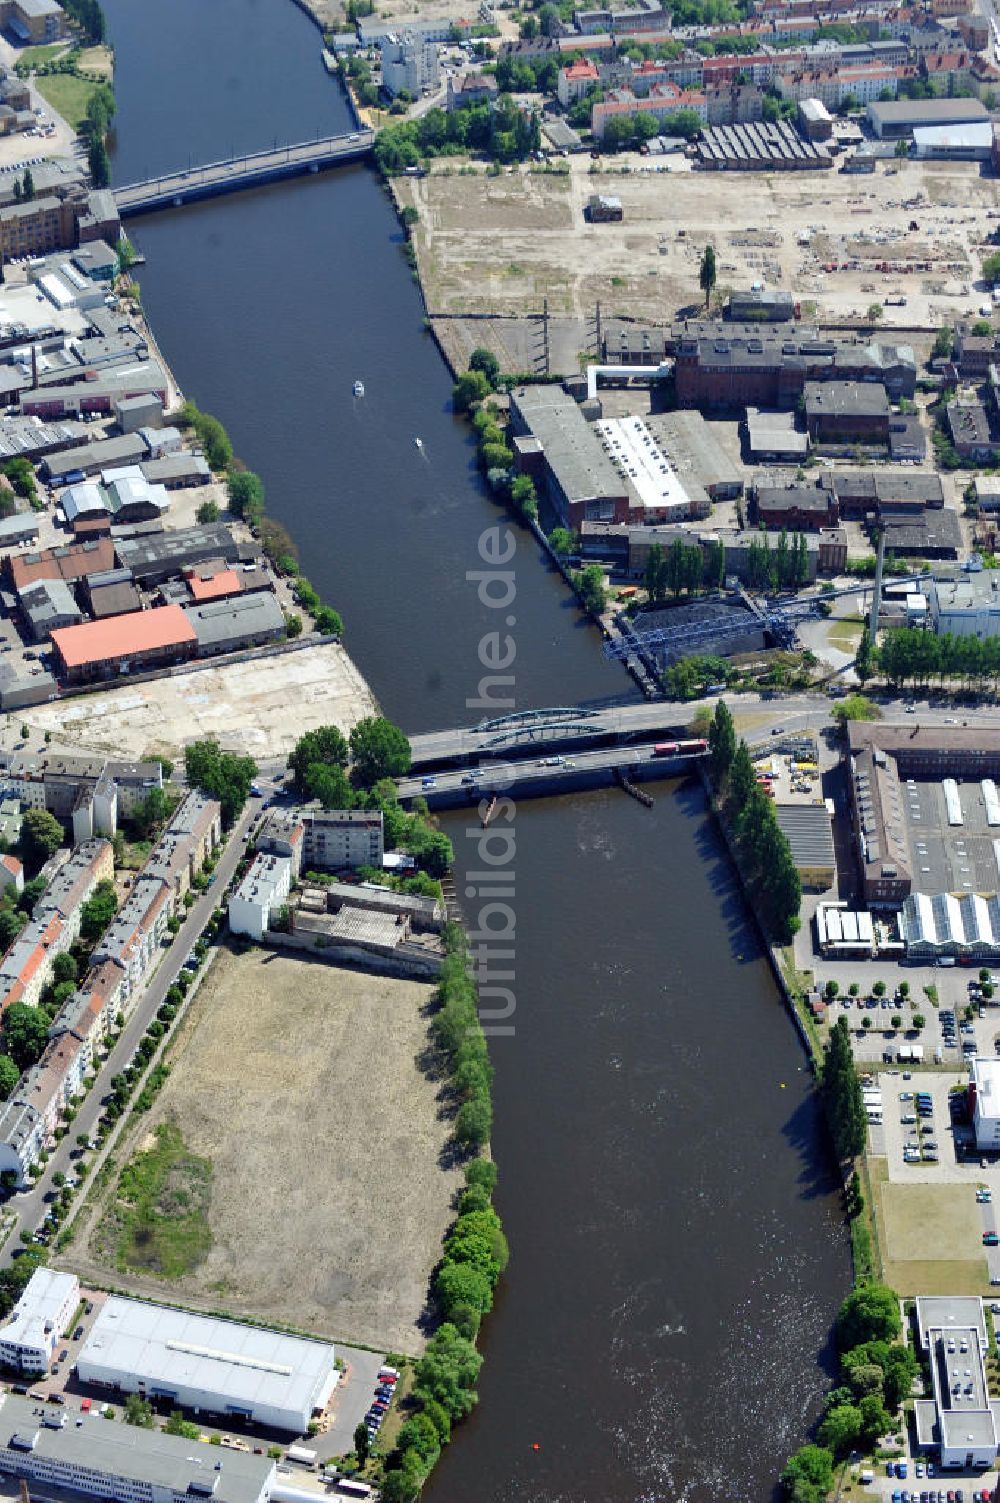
(74, 561)
(213, 586)
(137, 640)
(11, 873)
(576, 80)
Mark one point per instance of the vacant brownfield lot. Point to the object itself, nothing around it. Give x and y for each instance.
(505, 244)
(302, 1084)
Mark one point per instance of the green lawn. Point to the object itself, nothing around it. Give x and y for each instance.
(845, 634)
(34, 57)
(159, 1217)
(67, 94)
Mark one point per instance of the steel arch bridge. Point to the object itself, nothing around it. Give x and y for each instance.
(532, 727)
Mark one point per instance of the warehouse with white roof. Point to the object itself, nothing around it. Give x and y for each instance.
(207, 1365)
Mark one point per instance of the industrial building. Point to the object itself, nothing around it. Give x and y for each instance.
(761, 305)
(892, 119)
(39, 1320)
(967, 606)
(846, 412)
(123, 1463)
(916, 835)
(808, 828)
(960, 1421)
(954, 143)
(946, 925)
(696, 454)
(125, 644)
(729, 367)
(207, 1365)
(757, 147)
(235, 622)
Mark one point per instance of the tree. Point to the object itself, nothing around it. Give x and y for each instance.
(524, 497)
(379, 750)
(178, 1425)
(708, 274)
(9, 1076)
(222, 775)
(41, 837)
(875, 1420)
(99, 163)
(448, 1371)
(361, 1442)
(64, 968)
(722, 743)
(843, 1095)
(32, 892)
(207, 512)
(919, 1021)
(486, 362)
(808, 1475)
(469, 389)
(326, 746)
(25, 1033)
(840, 1429)
(589, 583)
(855, 707)
(863, 656)
(246, 494)
(875, 312)
(463, 1284)
(330, 785)
(944, 342)
(28, 186)
(98, 911)
(138, 1411)
(12, 921)
(656, 575)
(474, 1122)
(869, 1313)
(564, 541)
(991, 269)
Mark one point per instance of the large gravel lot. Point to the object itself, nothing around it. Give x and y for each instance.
(303, 1084)
(260, 707)
(503, 244)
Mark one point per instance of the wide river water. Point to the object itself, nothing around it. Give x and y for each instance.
(678, 1249)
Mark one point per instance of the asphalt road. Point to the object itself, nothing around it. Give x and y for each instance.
(30, 1206)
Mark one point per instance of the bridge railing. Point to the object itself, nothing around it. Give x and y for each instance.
(276, 154)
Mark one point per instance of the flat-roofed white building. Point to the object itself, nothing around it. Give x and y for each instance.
(984, 1078)
(657, 493)
(39, 1320)
(207, 1365)
(264, 888)
(123, 1463)
(961, 1420)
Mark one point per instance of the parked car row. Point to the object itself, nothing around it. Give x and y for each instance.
(385, 1387)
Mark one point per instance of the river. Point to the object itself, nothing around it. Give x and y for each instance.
(678, 1250)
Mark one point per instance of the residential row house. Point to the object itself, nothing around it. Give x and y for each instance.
(122, 963)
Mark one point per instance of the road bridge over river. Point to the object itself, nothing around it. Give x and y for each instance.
(525, 732)
(235, 173)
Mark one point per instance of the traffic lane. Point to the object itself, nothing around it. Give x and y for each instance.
(30, 1206)
(499, 776)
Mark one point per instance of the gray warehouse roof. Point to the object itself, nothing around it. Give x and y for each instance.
(235, 618)
(910, 112)
(571, 446)
(243, 1365)
(809, 831)
(846, 398)
(128, 1451)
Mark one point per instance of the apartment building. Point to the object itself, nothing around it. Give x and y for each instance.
(39, 1320)
(26, 968)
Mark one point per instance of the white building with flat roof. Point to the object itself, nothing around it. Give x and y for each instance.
(264, 888)
(961, 1420)
(658, 495)
(39, 1320)
(984, 1080)
(208, 1365)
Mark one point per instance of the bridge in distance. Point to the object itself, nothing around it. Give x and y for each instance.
(172, 189)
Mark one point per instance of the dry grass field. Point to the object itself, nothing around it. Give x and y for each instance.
(503, 244)
(301, 1084)
(931, 1240)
